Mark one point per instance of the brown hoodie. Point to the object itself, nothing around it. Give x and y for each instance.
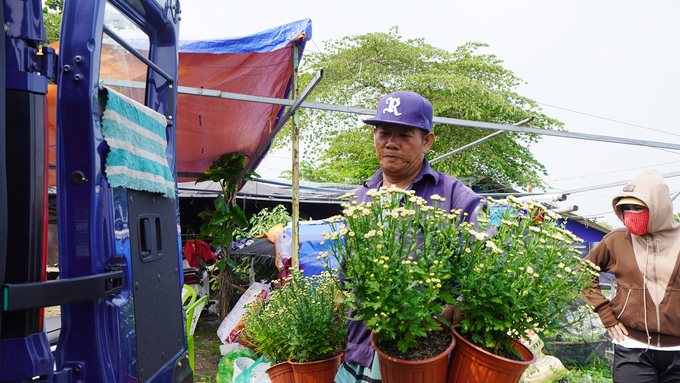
(646, 267)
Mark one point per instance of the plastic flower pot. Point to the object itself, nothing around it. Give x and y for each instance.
(472, 364)
(432, 370)
(281, 373)
(322, 371)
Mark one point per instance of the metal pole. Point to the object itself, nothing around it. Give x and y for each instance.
(372, 112)
(675, 195)
(492, 135)
(296, 170)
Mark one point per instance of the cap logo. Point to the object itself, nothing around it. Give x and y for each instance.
(629, 188)
(392, 104)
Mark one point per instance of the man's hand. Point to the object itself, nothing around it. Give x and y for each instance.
(618, 332)
(447, 313)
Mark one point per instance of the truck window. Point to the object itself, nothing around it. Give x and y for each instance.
(120, 69)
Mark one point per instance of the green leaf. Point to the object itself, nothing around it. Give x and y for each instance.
(218, 218)
(224, 238)
(231, 263)
(221, 265)
(239, 216)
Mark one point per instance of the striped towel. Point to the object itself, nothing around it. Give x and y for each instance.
(136, 138)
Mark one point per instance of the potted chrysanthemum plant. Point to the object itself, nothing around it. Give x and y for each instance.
(396, 257)
(523, 276)
(301, 325)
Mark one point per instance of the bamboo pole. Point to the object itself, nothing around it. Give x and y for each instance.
(296, 163)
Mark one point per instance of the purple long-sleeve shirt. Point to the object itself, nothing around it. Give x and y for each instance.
(427, 183)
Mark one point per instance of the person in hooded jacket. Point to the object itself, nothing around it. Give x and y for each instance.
(643, 318)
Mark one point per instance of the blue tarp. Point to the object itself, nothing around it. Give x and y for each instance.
(265, 41)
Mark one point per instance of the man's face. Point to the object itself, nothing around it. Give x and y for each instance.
(400, 149)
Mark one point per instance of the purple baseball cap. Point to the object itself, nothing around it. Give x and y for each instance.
(404, 108)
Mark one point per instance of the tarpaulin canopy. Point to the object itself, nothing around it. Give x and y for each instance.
(260, 65)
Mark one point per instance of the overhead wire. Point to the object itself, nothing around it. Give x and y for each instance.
(615, 171)
(608, 119)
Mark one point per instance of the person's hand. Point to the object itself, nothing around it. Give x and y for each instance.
(618, 332)
(447, 313)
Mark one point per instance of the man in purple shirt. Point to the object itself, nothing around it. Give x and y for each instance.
(402, 134)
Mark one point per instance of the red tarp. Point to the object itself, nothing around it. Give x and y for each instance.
(259, 65)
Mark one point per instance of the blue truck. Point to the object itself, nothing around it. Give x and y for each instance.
(119, 249)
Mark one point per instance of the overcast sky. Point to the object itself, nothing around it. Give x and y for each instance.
(602, 67)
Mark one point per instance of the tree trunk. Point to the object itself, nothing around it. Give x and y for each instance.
(226, 289)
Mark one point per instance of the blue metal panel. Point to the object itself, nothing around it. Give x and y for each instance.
(25, 30)
(588, 234)
(99, 336)
(23, 19)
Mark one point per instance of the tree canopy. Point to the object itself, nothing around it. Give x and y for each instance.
(464, 84)
(52, 12)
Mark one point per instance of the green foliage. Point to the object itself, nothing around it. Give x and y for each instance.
(225, 218)
(400, 256)
(264, 220)
(52, 12)
(598, 371)
(396, 262)
(523, 278)
(301, 320)
(676, 217)
(227, 215)
(463, 84)
(606, 224)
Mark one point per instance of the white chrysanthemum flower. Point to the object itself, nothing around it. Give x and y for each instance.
(349, 195)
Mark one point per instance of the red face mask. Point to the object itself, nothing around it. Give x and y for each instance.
(636, 221)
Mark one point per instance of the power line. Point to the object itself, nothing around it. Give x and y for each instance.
(612, 184)
(615, 171)
(609, 119)
(317, 48)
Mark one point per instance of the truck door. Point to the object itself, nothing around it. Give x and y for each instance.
(119, 244)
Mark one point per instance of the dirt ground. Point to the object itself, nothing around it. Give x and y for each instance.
(52, 311)
(206, 349)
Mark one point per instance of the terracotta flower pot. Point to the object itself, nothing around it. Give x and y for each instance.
(473, 364)
(281, 373)
(432, 370)
(322, 371)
